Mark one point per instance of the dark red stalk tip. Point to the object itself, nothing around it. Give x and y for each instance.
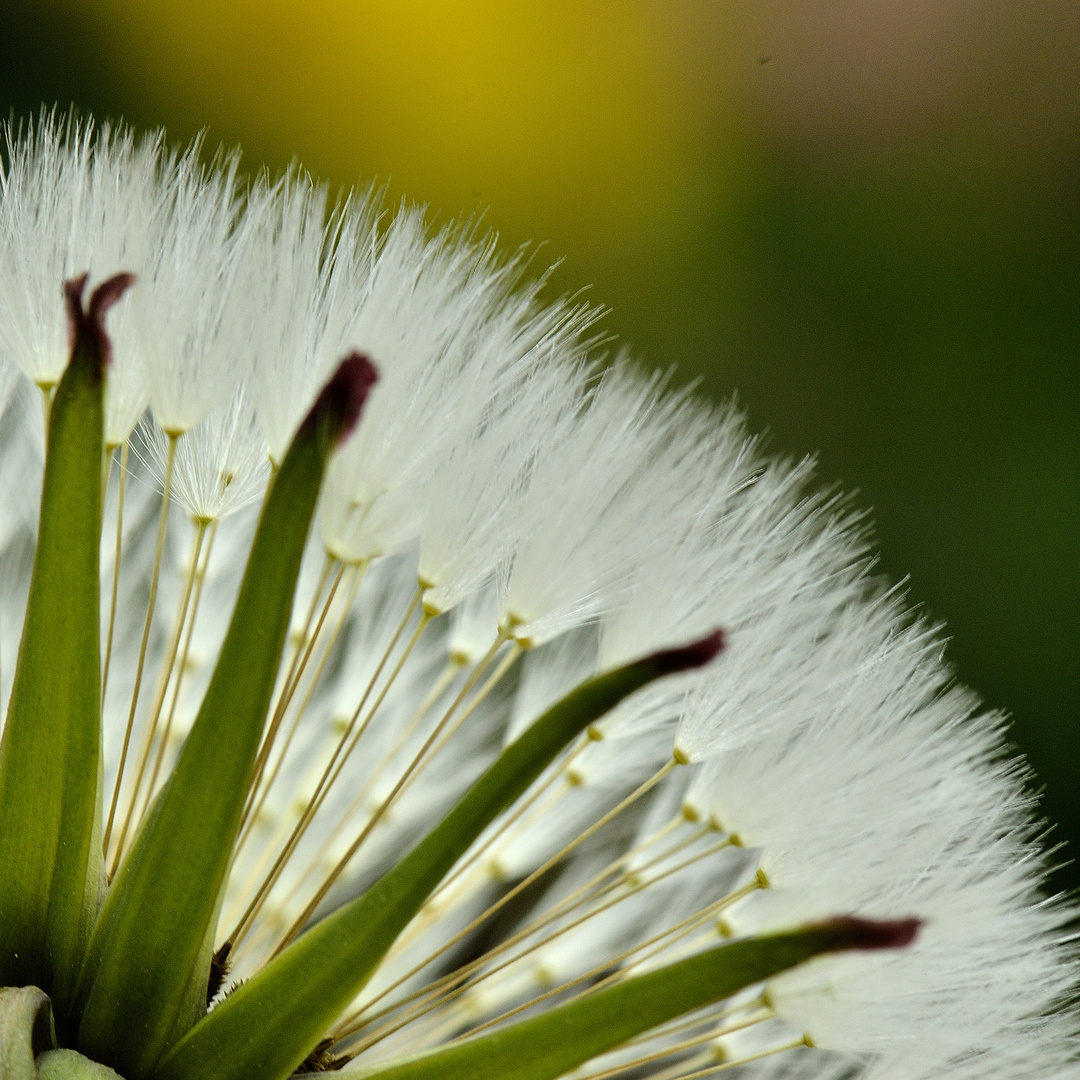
(105, 295)
(344, 395)
(73, 294)
(88, 325)
(867, 934)
(687, 657)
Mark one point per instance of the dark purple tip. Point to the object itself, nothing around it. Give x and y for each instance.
(687, 657)
(343, 397)
(88, 325)
(868, 934)
(73, 294)
(105, 295)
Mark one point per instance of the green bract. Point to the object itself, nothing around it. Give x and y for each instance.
(50, 755)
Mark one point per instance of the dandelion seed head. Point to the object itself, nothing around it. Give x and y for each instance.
(510, 519)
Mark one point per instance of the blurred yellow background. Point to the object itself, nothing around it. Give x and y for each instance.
(568, 122)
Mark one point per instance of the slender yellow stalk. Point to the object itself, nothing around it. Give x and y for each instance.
(292, 680)
(438, 688)
(579, 895)
(458, 976)
(122, 487)
(180, 667)
(526, 932)
(312, 685)
(163, 522)
(165, 677)
(328, 777)
(572, 925)
(724, 1065)
(398, 787)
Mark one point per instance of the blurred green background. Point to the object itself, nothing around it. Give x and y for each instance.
(862, 217)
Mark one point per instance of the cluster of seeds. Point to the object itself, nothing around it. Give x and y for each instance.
(517, 512)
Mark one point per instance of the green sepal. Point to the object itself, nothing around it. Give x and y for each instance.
(68, 1065)
(50, 754)
(265, 1028)
(562, 1038)
(144, 983)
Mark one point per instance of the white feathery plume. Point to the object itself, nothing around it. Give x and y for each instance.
(794, 622)
(221, 464)
(421, 321)
(860, 823)
(190, 326)
(988, 931)
(712, 531)
(471, 496)
(470, 499)
(884, 706)
(590, 519)
(1047, 1048)
(73, 200)
(712, 462)
(305, 277)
